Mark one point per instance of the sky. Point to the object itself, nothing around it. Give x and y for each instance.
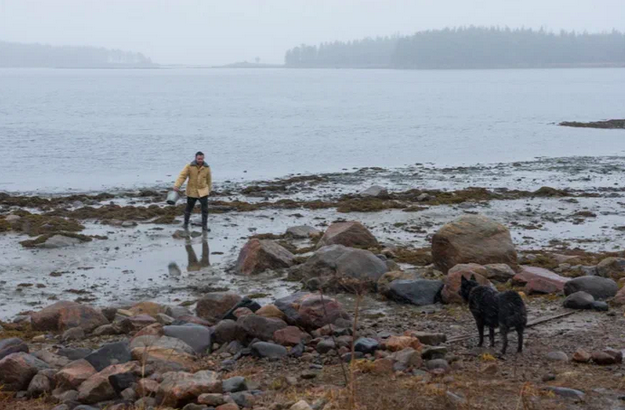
(213, 32)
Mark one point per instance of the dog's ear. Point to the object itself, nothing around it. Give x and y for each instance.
(473, 278)
(463, 279)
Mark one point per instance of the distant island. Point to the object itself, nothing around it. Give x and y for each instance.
(40, 55)
(472, 47)
(609, 124)
(245, 64)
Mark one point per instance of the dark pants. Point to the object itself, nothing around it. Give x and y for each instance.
(191, 203)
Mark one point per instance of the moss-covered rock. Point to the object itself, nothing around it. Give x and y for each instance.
(41, 240)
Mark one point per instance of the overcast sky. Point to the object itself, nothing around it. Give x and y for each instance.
(224, 31)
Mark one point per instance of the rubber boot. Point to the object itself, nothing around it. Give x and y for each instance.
(205, 222)
(185, 225)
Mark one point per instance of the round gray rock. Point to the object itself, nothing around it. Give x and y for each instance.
(420, 292)
(600, 288)
(579, 300)
(196, 336)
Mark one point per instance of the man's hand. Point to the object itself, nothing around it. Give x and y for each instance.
(176, 189)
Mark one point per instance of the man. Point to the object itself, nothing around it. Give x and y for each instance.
(199, 187)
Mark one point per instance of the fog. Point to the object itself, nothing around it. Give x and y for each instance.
(220, 32)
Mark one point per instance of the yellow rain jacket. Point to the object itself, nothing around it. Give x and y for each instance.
(200, 180)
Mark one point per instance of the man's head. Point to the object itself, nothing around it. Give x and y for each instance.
(199, 157)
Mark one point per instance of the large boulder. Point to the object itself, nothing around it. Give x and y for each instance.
(147, 308)
(161, 342)
(338, 261)
(351, 234)
(12, 345)
(473, 239)
(499, 272)
(41, 384)
(109, 354)
(215, 305)
(65, 315)
(258, 327)
(600, 288)
(291, 336)
(166, 357)
(311, 311)
(225, 331)
(613, 268)
(18, 369)
(97, 388)
(420, 292)
(270, 311)
(135, 323)
(453, 281)
(539, 280)
(198, 337)
(74, 374)
(258, 255)
(179, 388)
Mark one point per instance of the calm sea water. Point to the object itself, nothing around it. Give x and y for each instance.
(81, 130)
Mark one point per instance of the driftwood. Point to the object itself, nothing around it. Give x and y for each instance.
(531, 323)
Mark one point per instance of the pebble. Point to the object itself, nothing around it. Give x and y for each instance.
(435, 352)
(234, 384)
(325, 346)
(75, 333)
(557, 356)
(269, 350)
(438, 364)
(300, 405)
(566, 392)
(366, 345)
(308, 375)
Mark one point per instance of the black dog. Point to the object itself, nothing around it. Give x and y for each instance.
(505, 310)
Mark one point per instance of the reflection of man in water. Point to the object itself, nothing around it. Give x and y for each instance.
(194, 264)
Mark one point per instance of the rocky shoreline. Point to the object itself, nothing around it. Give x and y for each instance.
(318, 291)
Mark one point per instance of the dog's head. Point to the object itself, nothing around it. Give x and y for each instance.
(466, 286)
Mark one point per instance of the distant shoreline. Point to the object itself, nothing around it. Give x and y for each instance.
(315, 67)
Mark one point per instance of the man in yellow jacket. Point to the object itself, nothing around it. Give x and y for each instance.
(198, 188)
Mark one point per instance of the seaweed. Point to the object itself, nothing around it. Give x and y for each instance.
(32, 243)
(413, 256)
(34, 225)
(5, 226)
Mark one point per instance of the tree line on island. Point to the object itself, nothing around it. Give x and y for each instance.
(470, 47)
(40, 55)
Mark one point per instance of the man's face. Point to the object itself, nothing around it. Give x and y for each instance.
(199, 159)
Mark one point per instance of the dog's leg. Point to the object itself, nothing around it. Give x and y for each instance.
(519, 331)
(480, 329)
(491, 336)
(504, 337)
